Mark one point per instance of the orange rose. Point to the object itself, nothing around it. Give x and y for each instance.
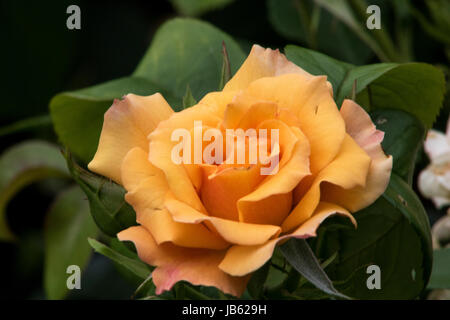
(212, 224)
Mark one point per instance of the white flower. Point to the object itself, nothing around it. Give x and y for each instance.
(434, 181)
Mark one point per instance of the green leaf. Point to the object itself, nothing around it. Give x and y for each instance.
(188, 99)
(185, 291)
(78, 115)
(298, 253)
(146, 288)
(440, 275)
(106, 200)
(393, 233)
(137, 267)
(198, 7)
(304, 21)
(22, 165)
(188, 51)
(128, 249)
(417, 88)
(256, 284)
(363, 76)
(68, 225)
(403, 139)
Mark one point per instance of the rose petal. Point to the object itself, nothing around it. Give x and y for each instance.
(197, 266)
(310, 101)
(348, 170)
(436, 144)
(160, 154)
(440, 202)
(164, 229)
(232, 231)
(260, 206)
(126, 125)
(258, 113)
(271, 209)
(136, 168)
(433, 182)
(146, 184)
(218, 101)
(148, 190)
(363, 131)
(220, 192)
(241, 260)
(262, 63)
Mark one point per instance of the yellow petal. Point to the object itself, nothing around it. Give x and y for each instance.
(148, 190)
(217, 102)
(232, 231)
(146, 184)
(348, 170)
(258, 113)
(310, 101)
(245, 112)
(197, 266)
(148, 195)
(160, 154)
(363, 131)
(220, 192)
(241, 260)
(272, 209)
(194, 173)
(126, 125)
(271, 201)
(136, 168)
(262, 63)
(164, 229)
(294, 163)
(288, 117)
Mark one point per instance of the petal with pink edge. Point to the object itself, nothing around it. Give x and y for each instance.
(173, 264)
(126, 125)
(263, 63)
(360, 127)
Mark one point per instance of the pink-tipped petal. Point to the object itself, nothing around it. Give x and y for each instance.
(173, 264)
(127, 123)
(361, 128)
